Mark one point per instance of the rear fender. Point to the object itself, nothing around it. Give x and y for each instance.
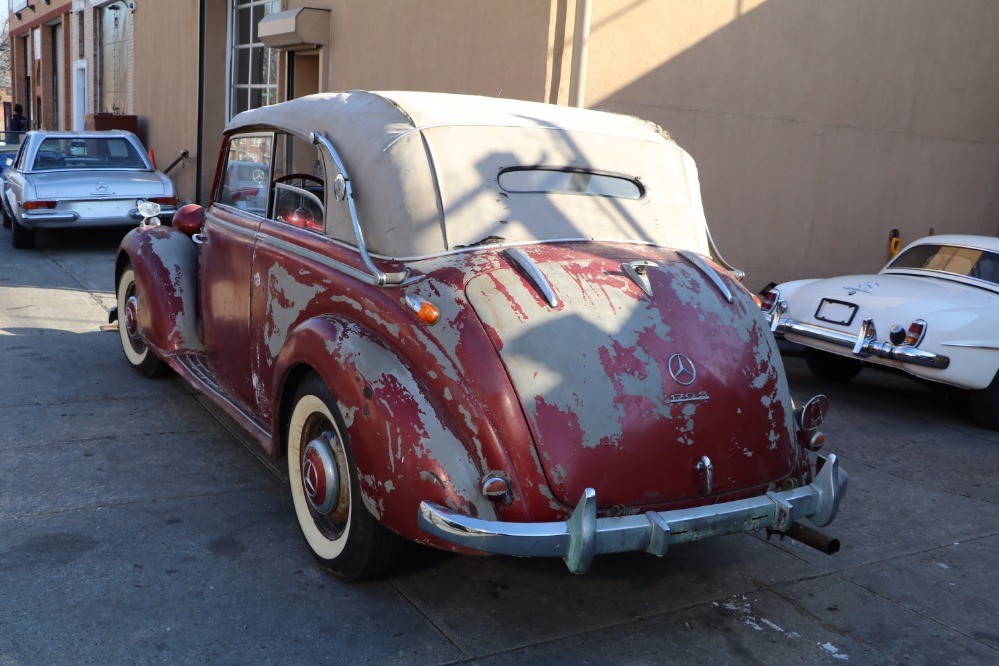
(405, 448)
(165, 263)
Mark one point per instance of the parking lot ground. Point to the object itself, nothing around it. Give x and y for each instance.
(136, 527)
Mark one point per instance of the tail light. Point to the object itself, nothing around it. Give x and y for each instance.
(164, 201)
(39, 205)
(770, 300)
(916, 333)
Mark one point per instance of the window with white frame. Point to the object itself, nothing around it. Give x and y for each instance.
(252, 66)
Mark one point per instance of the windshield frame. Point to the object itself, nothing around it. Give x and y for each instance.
(964, 278)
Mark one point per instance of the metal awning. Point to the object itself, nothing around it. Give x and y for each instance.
(301, 28)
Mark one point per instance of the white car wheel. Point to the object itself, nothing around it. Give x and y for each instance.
(138, 354)
(339, 530)
(832, 367)
(985, 405)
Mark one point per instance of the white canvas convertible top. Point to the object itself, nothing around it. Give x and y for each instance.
(424, 169)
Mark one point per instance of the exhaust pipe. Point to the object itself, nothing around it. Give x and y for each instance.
(810, 537)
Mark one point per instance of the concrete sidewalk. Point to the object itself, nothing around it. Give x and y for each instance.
(135, 528)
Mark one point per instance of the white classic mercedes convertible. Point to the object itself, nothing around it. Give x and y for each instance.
(932, 312)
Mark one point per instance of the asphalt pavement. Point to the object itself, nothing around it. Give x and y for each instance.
(136, 526)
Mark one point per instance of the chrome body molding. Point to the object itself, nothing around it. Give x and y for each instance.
(862, 344)
(709, 272)
(290, 248)
(47, 216)
(972, 344)
(534, 274)
(583, 536)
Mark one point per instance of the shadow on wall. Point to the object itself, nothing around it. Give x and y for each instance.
(818, 127)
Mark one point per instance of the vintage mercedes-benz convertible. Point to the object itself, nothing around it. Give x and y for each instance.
(484, 325)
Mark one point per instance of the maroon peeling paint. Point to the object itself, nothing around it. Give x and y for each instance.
(164, 262)
(429, 409)
(615, 419)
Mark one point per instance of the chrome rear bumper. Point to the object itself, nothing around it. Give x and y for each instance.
(583, 536)
(863, 344)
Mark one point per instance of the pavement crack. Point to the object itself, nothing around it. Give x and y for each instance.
(437, 625)
(139, 502)
(93, 296)
(831, 628)
(71, 401)
(921, 614)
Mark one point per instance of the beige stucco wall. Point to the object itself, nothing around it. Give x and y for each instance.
(479, 47)
(817, 126)
(165, 85)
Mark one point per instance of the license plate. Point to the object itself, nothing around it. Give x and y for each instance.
(836, 312)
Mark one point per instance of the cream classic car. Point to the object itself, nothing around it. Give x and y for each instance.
(932, 312)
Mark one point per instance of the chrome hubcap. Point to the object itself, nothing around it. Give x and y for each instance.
(132, 317)
(320, 478)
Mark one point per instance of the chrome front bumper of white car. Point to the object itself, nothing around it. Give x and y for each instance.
(864, 344)
(583, 536)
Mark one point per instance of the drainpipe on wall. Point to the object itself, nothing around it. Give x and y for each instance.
(199, 169)
(580, 51)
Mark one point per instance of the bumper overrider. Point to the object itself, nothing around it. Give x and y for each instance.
(864, 344)
(583, 536)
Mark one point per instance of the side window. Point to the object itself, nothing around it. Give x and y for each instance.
(19, 160)
(299, 185)
(247, 173)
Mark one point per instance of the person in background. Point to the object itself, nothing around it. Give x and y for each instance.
(18, 123)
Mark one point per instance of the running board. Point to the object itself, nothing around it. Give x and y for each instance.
(195, 370)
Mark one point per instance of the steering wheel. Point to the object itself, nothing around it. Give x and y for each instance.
(304, 177)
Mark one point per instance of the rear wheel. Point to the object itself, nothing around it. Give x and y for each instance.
(138, 354)
(339, 530)
(21, 237)
(832, 367)
(985, 405)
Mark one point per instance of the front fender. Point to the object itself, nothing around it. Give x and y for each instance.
(404, 446)
(165, 263)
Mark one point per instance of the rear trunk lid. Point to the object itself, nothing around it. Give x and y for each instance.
(97, 184)
(625, 392)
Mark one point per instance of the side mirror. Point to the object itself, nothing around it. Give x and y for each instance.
(189, 219)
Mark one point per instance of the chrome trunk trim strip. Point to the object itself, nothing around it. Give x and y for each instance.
(534, 274)
(709, 272)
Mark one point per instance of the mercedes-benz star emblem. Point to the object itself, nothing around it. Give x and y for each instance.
(310, 478)
(102, 187)
(682, 369)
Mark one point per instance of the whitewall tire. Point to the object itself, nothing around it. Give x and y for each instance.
(340, 531)
(136, 352)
